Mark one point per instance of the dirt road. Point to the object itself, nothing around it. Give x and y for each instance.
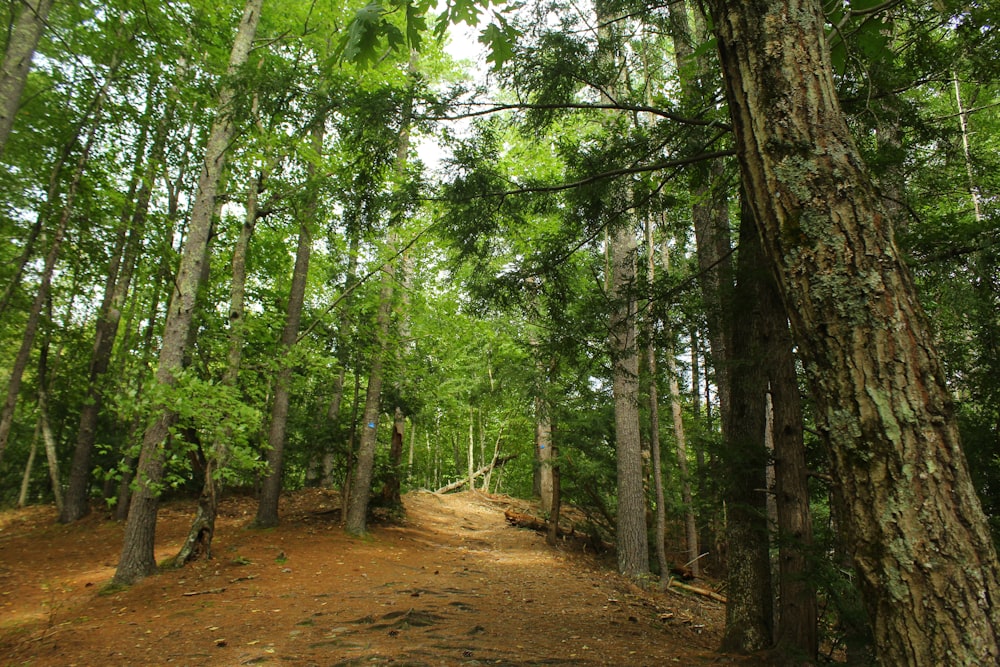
(452, 584)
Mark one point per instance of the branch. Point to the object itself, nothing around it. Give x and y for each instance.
(496, 108)
(614, 173)
(497, 462)
(348, 290)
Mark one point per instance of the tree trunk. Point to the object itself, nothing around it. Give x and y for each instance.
(543, 452)
(749, 616)
(51, 457)
(631, 538)
(137, 558)
(202, 531)
(391, 488)
(357, 509)
(797, 613)
(21, 45)
(632, 541)
(918, 536)
(267, 509)
(552, 529)
(22, 497)
(119, 278)
(660, 524)
(42, 295)
(680, 443)
(710, 208)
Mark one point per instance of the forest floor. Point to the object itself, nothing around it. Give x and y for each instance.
(449, 584)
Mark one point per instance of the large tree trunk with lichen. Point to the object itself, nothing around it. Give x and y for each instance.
(137, 559)
(911, 518)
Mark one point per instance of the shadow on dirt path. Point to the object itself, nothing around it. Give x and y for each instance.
(452, 584)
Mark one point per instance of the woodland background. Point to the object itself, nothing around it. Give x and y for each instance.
(226, 266)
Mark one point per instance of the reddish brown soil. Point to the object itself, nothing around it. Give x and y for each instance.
(451, 584)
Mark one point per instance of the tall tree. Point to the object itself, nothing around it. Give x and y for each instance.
(749, 618)
(137, 560)
(21, 45)
(48, 269)
(632, 543)
(356, 514)
(120, 269)
(267, 508)
(916, 531)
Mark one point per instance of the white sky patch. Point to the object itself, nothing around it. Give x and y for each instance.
(464, 46)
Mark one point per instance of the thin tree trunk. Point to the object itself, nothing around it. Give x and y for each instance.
(552, 532)
(471, 458)
(680, 443)
(797, 605)
(21, 45)
(42, 295)
(267, 509)
(51, 457)
(917, 534)
(28, 247)
(631, 538)
(22, 497)
(137, 559)
(116, 288)
(749, 616)
(660, 522)
(202, 531)
(710, 210)
(357, 509)
(391, 489)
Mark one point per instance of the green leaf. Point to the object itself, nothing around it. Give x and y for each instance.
(362, 40)
(416, 25)
(705, 47)
(500, 37)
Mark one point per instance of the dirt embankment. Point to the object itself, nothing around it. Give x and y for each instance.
(452, 584)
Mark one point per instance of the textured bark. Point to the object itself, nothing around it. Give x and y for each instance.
(749, 616)
(137, 559)
(917, 534)
(632, 541)
(543, 453)
(24, 36)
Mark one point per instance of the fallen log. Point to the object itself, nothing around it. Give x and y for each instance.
(697, 590)
(534, 523)
(495, 463)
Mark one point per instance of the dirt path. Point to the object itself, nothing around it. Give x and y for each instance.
(451, 585)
